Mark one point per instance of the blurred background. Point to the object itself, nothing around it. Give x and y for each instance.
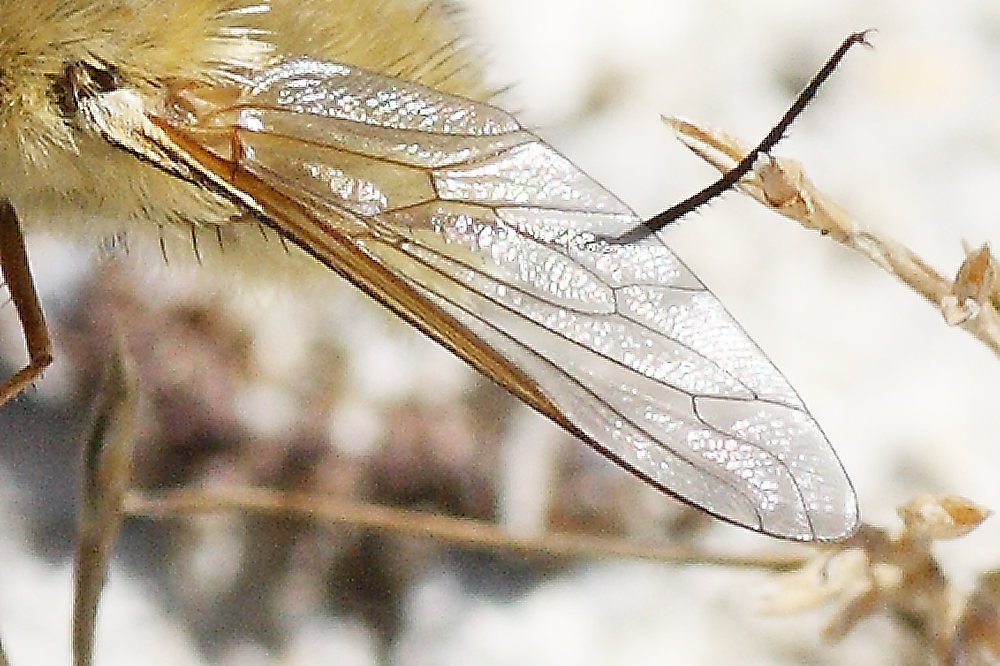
(320, 390)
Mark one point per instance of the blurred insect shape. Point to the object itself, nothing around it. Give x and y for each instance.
(203, 115)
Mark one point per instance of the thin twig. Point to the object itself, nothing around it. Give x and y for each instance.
(463, 531)
(106, 476)
(781, 185)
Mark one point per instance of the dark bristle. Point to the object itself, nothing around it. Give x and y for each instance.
(733, 176)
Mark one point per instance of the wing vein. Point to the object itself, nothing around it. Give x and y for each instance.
(593, 394)
(524, 292)
(780, 463)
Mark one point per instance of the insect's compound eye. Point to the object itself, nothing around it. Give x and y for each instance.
(80, 80)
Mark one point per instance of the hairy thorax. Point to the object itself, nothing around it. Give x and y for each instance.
(64, 178)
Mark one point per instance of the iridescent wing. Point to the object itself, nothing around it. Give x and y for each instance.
(481, 235)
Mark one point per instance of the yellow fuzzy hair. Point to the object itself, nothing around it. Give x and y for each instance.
(417, 41)
(70, 181)
(203, 39)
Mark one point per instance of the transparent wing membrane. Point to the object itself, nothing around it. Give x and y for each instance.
(490, 241)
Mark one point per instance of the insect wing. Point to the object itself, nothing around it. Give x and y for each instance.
(490, 241)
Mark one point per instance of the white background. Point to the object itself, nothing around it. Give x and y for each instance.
(905, 136)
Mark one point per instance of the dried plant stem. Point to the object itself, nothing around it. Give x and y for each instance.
(896, 575)
(463, 531)
(106, 476)
(781, 185)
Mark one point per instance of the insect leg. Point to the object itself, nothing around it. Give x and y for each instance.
(17, 275)
(733, 176)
